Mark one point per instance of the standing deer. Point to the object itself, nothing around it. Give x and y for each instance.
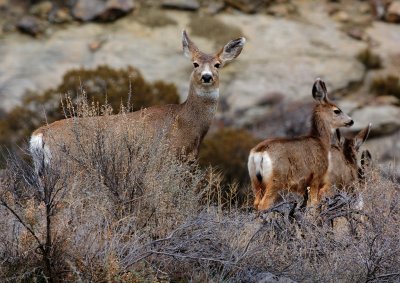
(294, 164)
(344, 163)
(184, 125)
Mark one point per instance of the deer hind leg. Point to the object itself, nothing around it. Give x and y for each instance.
(270, 197)
(258, 189)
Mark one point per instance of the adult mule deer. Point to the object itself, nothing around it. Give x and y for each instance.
(344, 162)
(293, 164)
(184, 125)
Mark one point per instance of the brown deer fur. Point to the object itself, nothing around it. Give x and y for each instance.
(344, 163)
(185, 125)
(293, 164)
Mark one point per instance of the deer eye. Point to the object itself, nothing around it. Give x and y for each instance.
(337, 111)
(217, 65)
(195, 64)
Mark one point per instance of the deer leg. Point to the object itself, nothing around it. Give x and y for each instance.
(258, 192)
(314, 192)
(270, 197)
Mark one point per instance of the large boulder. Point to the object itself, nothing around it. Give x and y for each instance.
(385, 119)
(393, 12)
(31, 25)
(101, 10)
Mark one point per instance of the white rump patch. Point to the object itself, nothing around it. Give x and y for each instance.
(260, 163)
(40, 152)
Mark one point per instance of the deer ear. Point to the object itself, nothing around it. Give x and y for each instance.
(231, 50)
(366, 158)
(362, 136)
(189, 48)
(319, 91)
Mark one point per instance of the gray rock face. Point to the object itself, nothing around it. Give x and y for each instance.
(186, 5)
(315, 50)
(101, 10)
(385, 119)
(30, 25)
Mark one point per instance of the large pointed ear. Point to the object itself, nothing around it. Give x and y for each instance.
(231, 50)
(189, 48)
(361, 137)
(366, 158)
(319, 91)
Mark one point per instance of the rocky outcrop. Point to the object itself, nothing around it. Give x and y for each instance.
(385, 119)
(393, 12)
(101, 10)
(31, 25)
(186, 5)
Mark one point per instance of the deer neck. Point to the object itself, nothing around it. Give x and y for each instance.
(201, 103)
(320, 128)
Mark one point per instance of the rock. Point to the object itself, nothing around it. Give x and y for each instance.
(385, 119)
(31, 25)
(378, 8)
(186, 5)
(356, 33)
(215, 7)
(247, 6)
(42, 9)
(60, 16)
(280, 10)
(279, 58)
(101, 10)
(341, 16)
(267, 277)
(393, 12)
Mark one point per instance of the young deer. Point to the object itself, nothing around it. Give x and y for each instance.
(184, 125)
(294, 164)
(344, 163)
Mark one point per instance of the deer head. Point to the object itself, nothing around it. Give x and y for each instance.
(326, 110)
(205, 75)
(351, 146)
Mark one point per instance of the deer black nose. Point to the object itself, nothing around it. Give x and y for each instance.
(206, 78)
(350, 123)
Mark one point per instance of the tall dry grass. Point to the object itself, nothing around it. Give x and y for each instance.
(132, 212)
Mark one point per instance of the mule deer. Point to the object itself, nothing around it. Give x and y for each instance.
(344, 163)
(184, 125)
(294, 164)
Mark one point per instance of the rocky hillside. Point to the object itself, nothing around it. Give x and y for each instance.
(352, 45)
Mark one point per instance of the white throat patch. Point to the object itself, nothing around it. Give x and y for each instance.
(212, 94)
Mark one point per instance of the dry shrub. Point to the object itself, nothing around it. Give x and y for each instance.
(132, 212)
(102, 85)
(212, 28)
(369, 59)
(389, 85)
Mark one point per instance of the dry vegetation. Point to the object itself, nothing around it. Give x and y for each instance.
(213, 29)
(133, 213)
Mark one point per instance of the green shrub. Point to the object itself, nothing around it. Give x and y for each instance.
(101, 85)
(389, 85)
